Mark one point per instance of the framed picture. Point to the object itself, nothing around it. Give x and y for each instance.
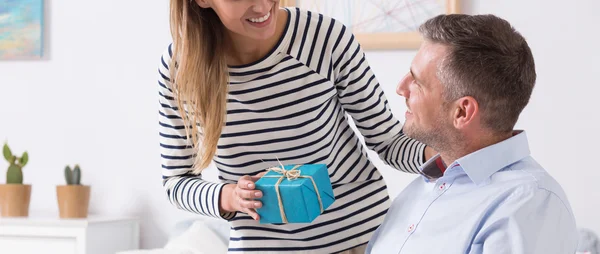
(380, 24)
(21, 28)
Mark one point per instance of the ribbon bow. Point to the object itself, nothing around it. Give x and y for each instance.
(291, 175)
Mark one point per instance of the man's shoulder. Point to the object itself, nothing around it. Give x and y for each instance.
(527, 178)
(526, 172)
(525, 194)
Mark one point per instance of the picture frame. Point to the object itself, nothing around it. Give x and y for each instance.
(22, 29)
(382, 24)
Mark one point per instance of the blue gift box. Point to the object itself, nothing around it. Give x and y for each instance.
(298, 196)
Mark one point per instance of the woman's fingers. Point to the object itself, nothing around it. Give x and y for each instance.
(246, 182)
(258, 176)
(252, 213)
(248, 194)
(244, 203)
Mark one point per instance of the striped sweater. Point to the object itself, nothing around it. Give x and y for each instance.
(293, 105)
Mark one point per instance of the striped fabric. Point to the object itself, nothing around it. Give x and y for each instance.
(293, 105)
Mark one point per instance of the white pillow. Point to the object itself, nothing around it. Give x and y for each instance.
(152, 251)
(199, 238)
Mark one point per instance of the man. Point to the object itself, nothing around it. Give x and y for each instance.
(483, 192)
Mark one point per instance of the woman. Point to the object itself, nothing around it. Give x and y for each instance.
(262, 84)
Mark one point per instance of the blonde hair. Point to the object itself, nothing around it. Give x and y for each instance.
(199, 76)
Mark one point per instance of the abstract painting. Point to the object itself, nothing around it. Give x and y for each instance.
(380, 24)
(21, 28)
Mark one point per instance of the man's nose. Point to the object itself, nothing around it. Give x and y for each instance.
(402, 88)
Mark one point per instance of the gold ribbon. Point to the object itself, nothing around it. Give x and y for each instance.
(291, 175)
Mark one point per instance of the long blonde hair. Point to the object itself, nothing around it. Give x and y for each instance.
(199, 76)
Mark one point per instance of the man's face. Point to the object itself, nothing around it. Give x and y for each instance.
(427, 119)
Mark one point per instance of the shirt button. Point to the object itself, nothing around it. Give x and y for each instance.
(442, 186)
(411, 228)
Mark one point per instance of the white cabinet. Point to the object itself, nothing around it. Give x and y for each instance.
(68, 236)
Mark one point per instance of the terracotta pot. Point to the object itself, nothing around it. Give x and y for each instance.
(14, 200)
(73, 200)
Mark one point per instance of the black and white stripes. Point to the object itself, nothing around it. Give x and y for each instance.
(293, 106)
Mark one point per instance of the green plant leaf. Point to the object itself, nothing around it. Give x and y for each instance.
(68, 175)
(76, 175)
(14, 175)
(24, 159)
(7, 153)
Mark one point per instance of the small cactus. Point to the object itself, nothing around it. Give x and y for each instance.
(14, 174)
(73, 176)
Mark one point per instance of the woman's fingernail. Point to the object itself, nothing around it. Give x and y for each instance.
(257, 194)
(257, 204)
(250, 185)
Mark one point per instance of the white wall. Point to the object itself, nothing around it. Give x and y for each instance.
(93, 101)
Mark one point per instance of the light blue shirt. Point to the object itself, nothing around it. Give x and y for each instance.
(495, 200)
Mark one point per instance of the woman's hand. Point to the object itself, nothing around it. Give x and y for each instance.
(241, 197)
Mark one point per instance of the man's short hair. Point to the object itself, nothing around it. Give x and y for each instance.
(488, 60)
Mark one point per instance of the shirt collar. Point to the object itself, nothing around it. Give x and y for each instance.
(483, 163)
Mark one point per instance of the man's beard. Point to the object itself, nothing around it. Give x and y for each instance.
(441, 136)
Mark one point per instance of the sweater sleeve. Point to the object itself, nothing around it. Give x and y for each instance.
(363, 99)
(184, 190)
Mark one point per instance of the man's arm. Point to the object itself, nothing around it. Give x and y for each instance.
(529, 221)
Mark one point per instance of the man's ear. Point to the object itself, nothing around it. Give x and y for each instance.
(466, 111)
(203, 3)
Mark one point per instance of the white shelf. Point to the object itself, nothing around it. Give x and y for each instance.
(56, 221)
(50, 234)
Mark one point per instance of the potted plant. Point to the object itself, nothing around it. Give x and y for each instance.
(73, 198)
(14, 195)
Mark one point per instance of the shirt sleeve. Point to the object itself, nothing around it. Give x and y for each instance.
(184, 190)
(363, 99)
(528, 223)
